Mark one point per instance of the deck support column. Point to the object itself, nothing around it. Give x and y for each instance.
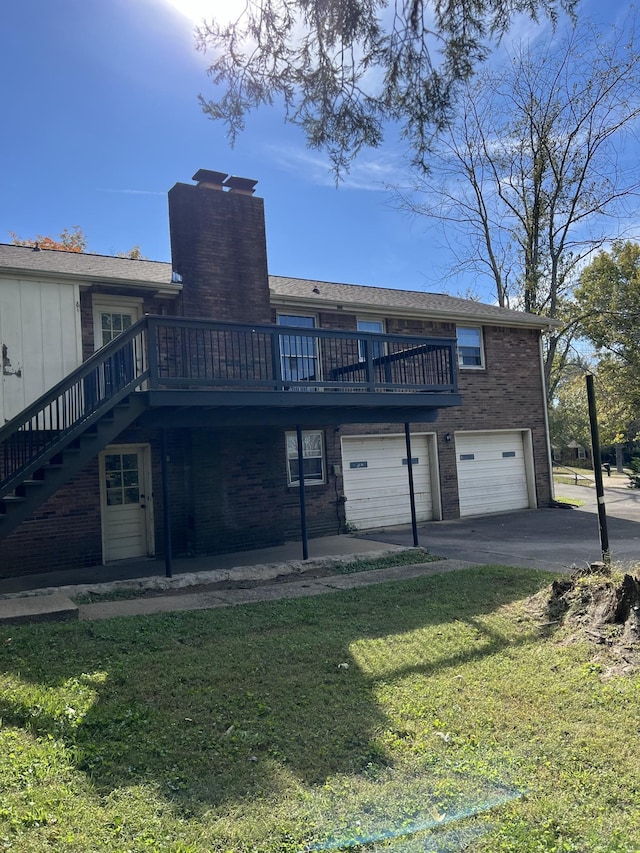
(303, 504)
(597, 470)
(412, 493)
(166, 509)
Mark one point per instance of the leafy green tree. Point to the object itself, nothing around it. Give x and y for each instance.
(609, 299)
(617, 411)
(343, 70)
(568, 412)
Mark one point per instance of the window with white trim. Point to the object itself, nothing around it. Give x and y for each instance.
(312, 457)
(470, 350)
(299, 352)
(376, 326)
(112, 316)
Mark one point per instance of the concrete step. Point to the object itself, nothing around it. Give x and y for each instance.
(37, 608)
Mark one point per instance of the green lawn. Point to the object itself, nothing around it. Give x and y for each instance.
(438, 708)
(570, 501)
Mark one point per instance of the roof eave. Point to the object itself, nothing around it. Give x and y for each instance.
(161, 288)
(528, 321)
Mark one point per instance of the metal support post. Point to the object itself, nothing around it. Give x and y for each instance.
(303, 505)
(412, 493)
(597, 470)
(165, 503)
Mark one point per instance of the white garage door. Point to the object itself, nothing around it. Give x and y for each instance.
(376, 480)
(492, 472)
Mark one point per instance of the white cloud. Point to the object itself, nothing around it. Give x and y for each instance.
(369, 171)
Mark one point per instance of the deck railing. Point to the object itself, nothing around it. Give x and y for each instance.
(36, 435)
(217, 355)
(175, 353)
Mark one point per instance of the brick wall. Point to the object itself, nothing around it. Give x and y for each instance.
(218, 246)
(150, 305)
(237, 488)
(506, 394)
(64, 533)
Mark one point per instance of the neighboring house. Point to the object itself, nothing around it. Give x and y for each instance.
(178, 399)
(572, 452)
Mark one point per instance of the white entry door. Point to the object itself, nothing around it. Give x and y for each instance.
(127, 510)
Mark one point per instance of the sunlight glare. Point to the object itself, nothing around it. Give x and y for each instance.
(198, 10)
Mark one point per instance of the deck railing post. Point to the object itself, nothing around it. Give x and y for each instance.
(149, 342)
(368, 357)
(276, 364)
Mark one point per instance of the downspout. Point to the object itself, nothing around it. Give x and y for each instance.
(546, 420)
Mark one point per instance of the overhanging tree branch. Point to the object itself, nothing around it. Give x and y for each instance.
(344, 70)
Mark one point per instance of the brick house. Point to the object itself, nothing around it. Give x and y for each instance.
(155, 408)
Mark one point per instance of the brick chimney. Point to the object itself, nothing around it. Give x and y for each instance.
(219, 248)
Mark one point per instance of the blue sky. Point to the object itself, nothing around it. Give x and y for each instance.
(100, 118)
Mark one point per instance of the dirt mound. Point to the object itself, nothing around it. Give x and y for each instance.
(602, 606)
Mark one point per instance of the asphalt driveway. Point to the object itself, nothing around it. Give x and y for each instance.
(556, 539)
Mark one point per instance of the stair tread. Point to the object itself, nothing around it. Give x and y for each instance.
(66, 453)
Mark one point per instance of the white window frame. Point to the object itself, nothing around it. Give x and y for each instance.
(103, 303)
(314, 357)
(480, 347)
(291, 454)
(363, 321)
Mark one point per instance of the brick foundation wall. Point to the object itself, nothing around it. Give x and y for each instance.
(64, 533)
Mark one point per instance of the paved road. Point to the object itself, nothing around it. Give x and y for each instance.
(555, 539)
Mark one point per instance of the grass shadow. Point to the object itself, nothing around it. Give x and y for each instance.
(230, 705)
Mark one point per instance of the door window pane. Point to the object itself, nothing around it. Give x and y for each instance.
(112, 324)
(122, 478)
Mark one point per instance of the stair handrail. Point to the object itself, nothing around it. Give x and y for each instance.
(90, 408)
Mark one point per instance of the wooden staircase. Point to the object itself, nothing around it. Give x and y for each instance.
(55, 437)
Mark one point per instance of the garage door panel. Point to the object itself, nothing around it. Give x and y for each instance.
(491, 472)
(365, 514)
(378, 494)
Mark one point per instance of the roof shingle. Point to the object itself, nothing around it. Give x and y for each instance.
(400, 302)
(83, 265)
(284, 290)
